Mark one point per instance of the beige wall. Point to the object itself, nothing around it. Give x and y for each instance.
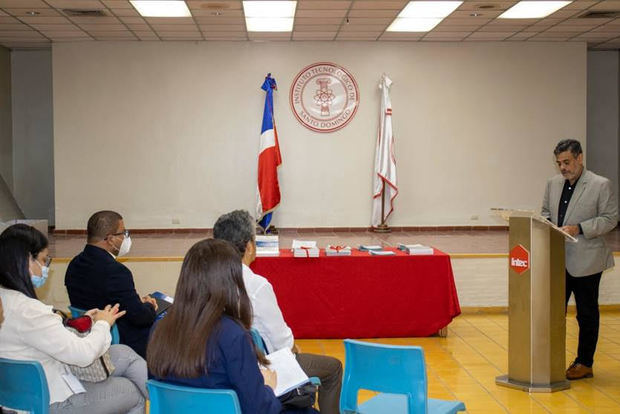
(167, 132)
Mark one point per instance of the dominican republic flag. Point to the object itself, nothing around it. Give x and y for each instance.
(269, 159)
(385, 163)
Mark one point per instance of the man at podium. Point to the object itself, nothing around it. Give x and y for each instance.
(582, 204)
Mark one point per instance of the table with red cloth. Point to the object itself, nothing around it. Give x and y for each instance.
(363, 295)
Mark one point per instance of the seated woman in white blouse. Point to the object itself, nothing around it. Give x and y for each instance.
(31, 331)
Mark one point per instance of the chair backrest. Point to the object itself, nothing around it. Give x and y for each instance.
(116, 338)
(168, 398)
(258, 340)
(23, 386)
(384, 368)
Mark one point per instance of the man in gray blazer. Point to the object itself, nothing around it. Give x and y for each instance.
(582, 204)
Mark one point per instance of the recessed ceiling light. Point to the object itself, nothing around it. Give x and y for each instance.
(161, 8)
(423, 9)
(265, 24)
(33, 13)
(269, 16)
(422, 16)
(413, 25)
(533, 9)
(269, 8)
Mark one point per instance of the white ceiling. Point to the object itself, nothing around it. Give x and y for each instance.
(37, 23)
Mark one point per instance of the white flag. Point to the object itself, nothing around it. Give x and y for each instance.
(385, 163)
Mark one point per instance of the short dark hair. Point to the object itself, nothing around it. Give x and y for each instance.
(571, 145)
(14, 265)
(102, 224)
(236, 227)
(33, 237)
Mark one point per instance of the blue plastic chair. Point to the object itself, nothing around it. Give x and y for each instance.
(397, 370)
(116, 338)
(168, 398)
(23, 386)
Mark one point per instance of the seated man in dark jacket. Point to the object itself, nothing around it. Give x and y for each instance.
(95, 278)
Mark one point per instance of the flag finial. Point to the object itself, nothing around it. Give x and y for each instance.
(270, 83)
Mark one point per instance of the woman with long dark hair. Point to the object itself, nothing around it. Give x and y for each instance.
(32, 331)
(204, 341)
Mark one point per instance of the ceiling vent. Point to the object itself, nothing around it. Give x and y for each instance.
(607, 14)
(84, 13)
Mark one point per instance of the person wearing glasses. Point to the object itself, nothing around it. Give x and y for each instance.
(32, 331)
(39, 248)
(95, 278)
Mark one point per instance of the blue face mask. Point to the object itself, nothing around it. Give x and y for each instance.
(38, 281)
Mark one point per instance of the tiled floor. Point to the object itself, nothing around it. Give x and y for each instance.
(464, 365)
(177, 244)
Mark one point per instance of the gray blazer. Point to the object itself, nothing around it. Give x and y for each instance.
(592, 205)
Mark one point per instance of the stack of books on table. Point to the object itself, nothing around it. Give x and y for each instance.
(305, 248)
(267, 246)
(369, 247)
(382, 252)
(375, 250)
(332, 250)
(416, 249)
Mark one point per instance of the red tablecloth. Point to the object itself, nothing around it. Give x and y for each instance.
(363, 296)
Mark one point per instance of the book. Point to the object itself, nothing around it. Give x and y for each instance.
(403, 246)
(305, 248)
(424, 250)
(416, 249)
(303, 243)
(289, 373)
(382, 252)
(267, 246)
(337, 250)
(369, 247)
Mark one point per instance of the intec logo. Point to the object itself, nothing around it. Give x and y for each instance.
(519, 259)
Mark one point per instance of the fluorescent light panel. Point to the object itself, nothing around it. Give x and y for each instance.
(413, 25)
(423, 9)
(269, 16)
(265, 24)
(533, 9)
(269, 8)
(156, 8)
(422, 16)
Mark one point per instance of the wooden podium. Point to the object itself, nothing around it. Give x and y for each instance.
(536, 305)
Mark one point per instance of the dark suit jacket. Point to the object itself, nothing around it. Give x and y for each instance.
(95, 279)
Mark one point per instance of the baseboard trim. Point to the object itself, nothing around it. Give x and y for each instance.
(494, 310)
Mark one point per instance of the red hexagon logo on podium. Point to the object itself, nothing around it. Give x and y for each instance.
(519, 259)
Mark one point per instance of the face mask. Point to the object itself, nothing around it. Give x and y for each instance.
(38, 281)
(125, 246)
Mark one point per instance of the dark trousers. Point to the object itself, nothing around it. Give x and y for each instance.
(585, 290)
(329, 371)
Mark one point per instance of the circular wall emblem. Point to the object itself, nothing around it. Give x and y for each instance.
(324, 97)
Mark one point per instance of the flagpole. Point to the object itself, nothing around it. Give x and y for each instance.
(383, 227)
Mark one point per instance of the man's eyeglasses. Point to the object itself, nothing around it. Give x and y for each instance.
(123, 233)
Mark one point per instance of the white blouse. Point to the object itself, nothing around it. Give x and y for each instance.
(267, 316)
(32, 332)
